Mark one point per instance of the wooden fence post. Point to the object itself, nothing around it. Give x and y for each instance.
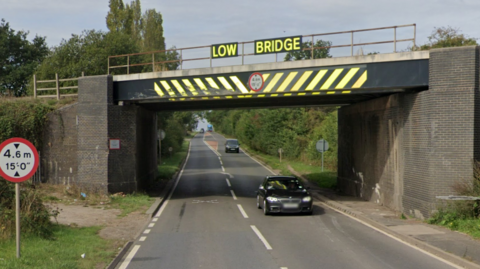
(58, 86)
(34, 86)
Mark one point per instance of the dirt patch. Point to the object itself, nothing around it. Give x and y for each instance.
(115, 228)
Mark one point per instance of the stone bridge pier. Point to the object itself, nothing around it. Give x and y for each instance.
(404, 149)
(100, 168)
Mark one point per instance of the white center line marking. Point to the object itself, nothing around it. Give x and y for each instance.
(147, 231)
(228, 182)
(223, 169)
(233, 194)
(155, 219)
(142, 238)
(242, 211)
(129, 258)
(259, 234)
(151, 225)
(283, 268)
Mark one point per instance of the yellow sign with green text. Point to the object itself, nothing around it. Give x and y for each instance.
(224, 50)
(277, 45)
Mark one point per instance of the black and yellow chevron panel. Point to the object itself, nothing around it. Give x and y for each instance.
(276, 84)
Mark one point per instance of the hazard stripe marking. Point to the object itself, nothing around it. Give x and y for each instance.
(200, 84)
(265, 77)
(225, 83)
(179, 87)
(274, 81)
(315, 80)
(190, 86)
(212, 83)
(158, 90)
(239, 84)
(287, 81)
(331, 79)
(347, 78)
(301, 81)
(168, 88)
(360, 80)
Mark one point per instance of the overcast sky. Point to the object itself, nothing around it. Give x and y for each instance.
(189, 23)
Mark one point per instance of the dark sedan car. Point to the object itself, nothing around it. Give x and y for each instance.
(283, 194)
(232, 145)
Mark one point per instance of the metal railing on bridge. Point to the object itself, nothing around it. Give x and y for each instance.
(161, 65)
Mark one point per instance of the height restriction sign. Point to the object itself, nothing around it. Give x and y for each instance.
(255, 82)
(18, 159)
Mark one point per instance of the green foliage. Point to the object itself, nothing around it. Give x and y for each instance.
(321, 52)
(35, 217)
(130, 202)
(18, 59)
(295, 130)
(23, 118)
(87, 52)
(170, 165)
(176, 125)
(444, 37)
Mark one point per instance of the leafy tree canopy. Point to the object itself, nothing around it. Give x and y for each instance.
(444, 37)
(321, 52)
(18, 59)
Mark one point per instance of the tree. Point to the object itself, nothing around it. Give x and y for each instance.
(87, 53)
(322, 52)
(18, 59)
(444, 37)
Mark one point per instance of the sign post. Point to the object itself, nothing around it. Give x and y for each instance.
(18, 162)
(322, 146)
(280, 150)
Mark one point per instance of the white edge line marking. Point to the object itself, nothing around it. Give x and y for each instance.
(147, 231)
(259, 234)
(142, 238)
(259, 163)
(397, 239)
(175, 186)
(233, 194)
(129, 258)
(155, 219)
(242, 211)
(151, 225)
(228, 182)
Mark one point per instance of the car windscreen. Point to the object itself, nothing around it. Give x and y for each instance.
(232, 142)
(284, 184)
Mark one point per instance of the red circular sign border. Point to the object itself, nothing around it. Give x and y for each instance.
(35, 157)
(250, 78)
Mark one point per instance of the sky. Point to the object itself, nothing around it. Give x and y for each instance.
(190, 23)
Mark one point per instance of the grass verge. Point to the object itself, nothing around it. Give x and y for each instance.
(63, 252)
(323, 179)
(170, 165)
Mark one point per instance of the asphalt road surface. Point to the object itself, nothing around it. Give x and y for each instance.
(211, 221)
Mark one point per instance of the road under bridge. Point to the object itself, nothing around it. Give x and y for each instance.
(408, 122)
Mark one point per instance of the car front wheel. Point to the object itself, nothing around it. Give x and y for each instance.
(265, 209)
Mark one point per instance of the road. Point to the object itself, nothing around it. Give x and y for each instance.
(211, 221)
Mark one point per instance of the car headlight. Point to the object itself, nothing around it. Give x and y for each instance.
(228, 147)
(272, 199)
(307, 199)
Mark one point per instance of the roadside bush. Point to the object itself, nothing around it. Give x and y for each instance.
(34, 216)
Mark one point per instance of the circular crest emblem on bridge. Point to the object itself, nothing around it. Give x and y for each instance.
(255, 82)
